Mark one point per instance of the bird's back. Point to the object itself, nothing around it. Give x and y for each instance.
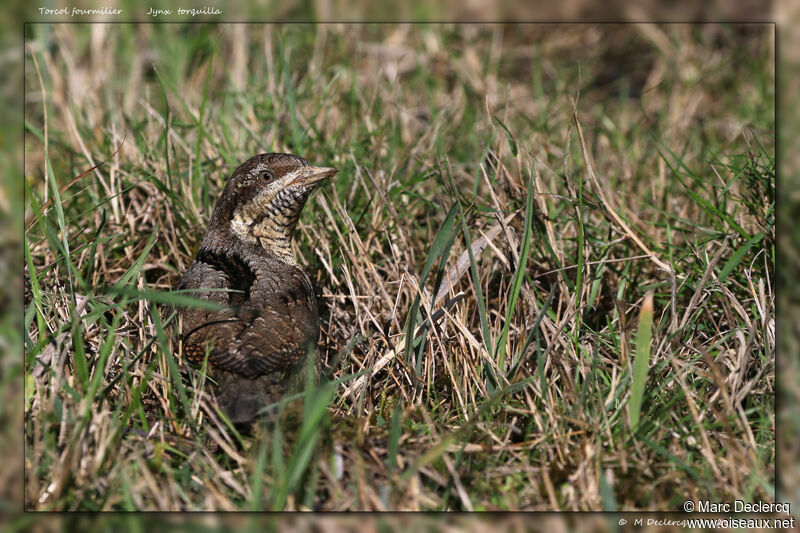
(272, 318)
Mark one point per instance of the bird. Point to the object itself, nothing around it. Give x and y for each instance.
(269, 319)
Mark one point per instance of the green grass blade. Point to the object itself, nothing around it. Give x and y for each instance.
(36, 292)
(315, 410)
(79, 352)
(481, 305)
(737, 257)
(257, 477)
(181, 298)
(136, 267)
(106, 348)
(200, 131)
(172, 365)
(291, 102)
(439, 249)
(512, 142)
(519, 276)
(394, 437)
(716, 212)
(606, 494)
(62, 227)
(641, 361)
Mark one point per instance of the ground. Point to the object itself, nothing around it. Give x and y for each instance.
(545, 270)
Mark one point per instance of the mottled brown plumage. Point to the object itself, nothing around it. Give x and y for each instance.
(271, 320)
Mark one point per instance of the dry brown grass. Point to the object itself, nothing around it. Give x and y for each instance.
(649, 150)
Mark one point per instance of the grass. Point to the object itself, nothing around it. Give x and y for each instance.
(508, 196)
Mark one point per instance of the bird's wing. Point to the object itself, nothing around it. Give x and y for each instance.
(204, 327)
(285, 322)
(271, 324)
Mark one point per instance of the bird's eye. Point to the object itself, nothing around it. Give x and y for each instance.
(267, 175)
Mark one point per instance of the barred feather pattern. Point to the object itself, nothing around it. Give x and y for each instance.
(271, 321)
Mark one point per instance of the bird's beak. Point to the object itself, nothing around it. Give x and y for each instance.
(309, 176)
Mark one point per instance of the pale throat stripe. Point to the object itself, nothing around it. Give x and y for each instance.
(274, 231)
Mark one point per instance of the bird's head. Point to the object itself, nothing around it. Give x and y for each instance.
(263, 200)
